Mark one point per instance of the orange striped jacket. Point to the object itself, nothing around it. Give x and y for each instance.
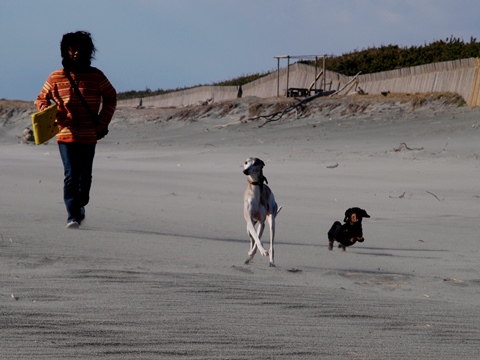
(75, 123)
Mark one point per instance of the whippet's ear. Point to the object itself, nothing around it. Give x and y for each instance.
(258, 162)
(348, 213)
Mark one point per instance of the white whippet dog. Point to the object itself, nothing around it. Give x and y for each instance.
(259, 205)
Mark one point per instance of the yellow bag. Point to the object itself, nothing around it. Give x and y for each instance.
(45, 124)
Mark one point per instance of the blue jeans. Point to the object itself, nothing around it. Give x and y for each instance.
(77, 163)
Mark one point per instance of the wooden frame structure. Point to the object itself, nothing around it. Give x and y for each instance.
(300, 57)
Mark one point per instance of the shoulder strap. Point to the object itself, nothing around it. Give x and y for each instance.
(80, 96)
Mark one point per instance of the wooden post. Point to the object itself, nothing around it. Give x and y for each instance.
(278, 76)
(324, 73)
(288, 71)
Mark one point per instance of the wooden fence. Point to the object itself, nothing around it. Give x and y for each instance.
(194, 96)
(459, 76)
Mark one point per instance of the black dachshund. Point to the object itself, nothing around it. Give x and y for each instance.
(350, 232)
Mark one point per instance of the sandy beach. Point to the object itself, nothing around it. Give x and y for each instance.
(157, 270)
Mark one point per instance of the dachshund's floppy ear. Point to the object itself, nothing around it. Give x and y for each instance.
(348, 213)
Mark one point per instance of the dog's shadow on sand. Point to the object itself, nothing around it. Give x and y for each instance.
(390, 252)
(373, 278)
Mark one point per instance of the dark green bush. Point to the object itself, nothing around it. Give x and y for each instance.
(392, 57)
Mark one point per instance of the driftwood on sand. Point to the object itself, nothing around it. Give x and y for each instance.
(299, 104)
(403, 146)
(279, 114)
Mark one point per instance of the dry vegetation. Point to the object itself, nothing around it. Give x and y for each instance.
(256, 109)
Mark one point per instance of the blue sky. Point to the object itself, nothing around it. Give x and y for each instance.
(167, 44)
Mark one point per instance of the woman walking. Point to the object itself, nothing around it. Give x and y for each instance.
(86, 102)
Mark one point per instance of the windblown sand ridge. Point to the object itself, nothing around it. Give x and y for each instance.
(157, 271)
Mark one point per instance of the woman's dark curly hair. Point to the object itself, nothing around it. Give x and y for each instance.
(78, 38)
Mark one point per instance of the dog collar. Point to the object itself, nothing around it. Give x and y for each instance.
(259, 182)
